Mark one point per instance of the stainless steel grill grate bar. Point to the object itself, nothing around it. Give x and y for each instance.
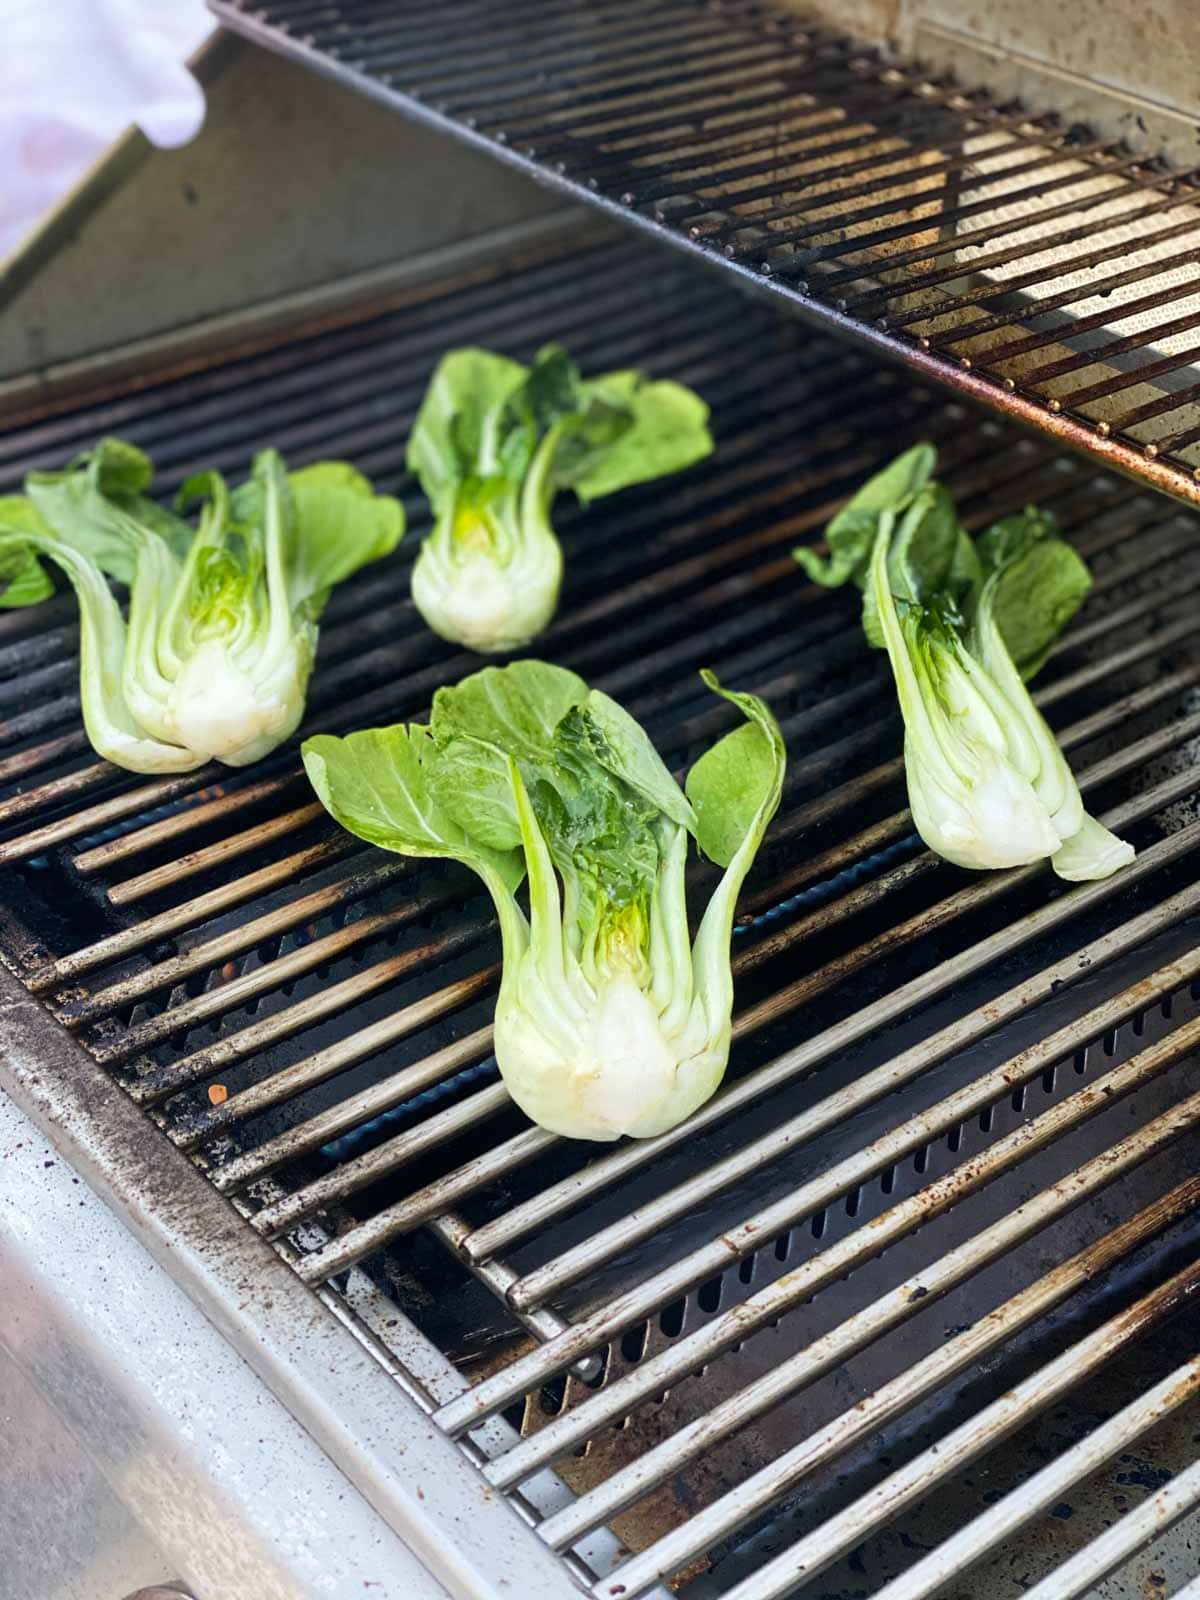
(591, 1331)
(394, 1153)
(409, 1213)
(95, 817)
(741, 1408)
(1114, 1547)
(831, 190)
(1057, 1378)
(662, 115)
(535, 1213)
(707, 147)
(554, 1276)
(560, 1435)
(110, 999)
(638, 1574)
(893, 1309)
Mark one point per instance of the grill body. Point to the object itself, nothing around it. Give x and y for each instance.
(920, 1280)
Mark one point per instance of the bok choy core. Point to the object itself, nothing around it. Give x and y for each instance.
(493, 444)
(965, 625)
(215, 657)
(610, 1019)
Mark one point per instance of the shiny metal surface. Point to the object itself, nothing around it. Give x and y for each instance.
(152, 1450)
(1099, 1558)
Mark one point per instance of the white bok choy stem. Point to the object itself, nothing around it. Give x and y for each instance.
(987, 783)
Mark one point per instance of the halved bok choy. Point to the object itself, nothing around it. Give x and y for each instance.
(611, 1019)
(966, 623)
(215, 657)
(493, 445)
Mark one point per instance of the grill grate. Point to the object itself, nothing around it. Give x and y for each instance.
(1030, 265)
(947, 1092)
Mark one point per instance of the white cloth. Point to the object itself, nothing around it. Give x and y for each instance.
(77, 73)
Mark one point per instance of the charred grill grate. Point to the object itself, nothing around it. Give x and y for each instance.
(1038, 267)
(950, 1176)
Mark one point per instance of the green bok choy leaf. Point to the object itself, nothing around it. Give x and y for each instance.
(493, 444)
(611, 1020)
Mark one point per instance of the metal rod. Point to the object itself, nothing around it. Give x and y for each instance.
(984, 294)
(153, 794)
(164, 923)
(396, 1151)
(708, 1260)
(1112, 1548)
(821, 138)
(1108, 316)
(357, 1108)
(576, 134)
(263, 978)
(630, 42)
(945, 216)
(648, 1378)
(283, 1085)
(1049, 1485)
(995, 1422)
(614, 76)
(907, 1300)
(620, 1162)
(829, 189)
(757, 1492)
(998, 230)
(536, 1212)
(543, 1323)
(213, 953)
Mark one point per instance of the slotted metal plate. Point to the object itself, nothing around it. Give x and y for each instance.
(1034, 266)
(958, 1133)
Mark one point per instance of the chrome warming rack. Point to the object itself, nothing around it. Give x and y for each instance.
(1045, 270)
(948, 1194)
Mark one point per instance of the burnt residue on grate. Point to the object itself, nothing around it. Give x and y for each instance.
(308, 1018)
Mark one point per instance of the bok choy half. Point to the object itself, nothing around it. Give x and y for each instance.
(215, 657)
(610, 1020)
(493, 445)
(966, 623)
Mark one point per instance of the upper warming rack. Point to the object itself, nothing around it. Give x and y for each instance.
(1040, 268)
(949, 1189)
